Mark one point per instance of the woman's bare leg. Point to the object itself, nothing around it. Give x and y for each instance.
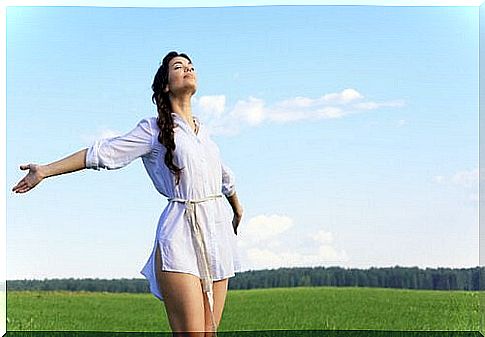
(183, 300)
(220, 291)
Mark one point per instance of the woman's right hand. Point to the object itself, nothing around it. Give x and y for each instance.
(33, 177)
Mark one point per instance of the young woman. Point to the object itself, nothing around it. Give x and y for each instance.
(194, 252)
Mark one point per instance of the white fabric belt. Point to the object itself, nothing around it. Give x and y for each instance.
(200, 247)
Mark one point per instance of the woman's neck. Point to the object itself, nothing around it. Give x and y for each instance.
(182, 106)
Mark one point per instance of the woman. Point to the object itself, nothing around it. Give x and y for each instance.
(194, 252)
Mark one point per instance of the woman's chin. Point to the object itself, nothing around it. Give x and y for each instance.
(193, 90)
(187, 89)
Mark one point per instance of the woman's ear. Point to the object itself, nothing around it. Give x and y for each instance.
(166, 89)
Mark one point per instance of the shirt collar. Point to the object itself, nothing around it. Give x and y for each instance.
(176, 116)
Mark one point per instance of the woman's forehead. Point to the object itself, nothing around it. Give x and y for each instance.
(179, 59)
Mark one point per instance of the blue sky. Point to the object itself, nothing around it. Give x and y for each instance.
(352, 131)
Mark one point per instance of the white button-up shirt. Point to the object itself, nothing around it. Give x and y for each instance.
(203, 175)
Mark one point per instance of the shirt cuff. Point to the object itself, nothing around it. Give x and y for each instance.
(231, 193)
(92, 157)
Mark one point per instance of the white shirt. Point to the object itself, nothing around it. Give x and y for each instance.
(204, 175)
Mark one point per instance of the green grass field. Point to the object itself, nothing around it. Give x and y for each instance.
(256, 309)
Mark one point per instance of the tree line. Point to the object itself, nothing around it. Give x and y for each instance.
(392, 277)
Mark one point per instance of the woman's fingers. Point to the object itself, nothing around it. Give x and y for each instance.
(29, 181)
(235, 224)
(21, 184)
(22, 190)
(18, 187)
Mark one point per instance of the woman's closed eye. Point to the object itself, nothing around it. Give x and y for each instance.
(179, 67)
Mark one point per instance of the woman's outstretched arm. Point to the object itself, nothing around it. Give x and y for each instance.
(110, 153)
(74, 162)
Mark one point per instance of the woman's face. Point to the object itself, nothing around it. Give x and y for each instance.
(182, 78)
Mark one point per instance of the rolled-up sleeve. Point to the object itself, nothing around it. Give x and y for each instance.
(117, 152)
(228, 181)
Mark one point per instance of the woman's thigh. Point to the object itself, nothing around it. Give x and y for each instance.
(220, 291)
(182, 297)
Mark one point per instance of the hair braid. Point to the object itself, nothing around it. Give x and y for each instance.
(165, 119)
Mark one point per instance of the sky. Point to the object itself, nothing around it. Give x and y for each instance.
(352, 132)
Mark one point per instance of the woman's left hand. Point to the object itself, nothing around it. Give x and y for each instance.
(237, 219)
(237, 209)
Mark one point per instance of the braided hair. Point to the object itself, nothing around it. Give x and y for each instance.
(164, 108)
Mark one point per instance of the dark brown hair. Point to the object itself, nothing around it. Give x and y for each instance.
(164, 107)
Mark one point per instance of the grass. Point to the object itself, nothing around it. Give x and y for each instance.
(302, 308)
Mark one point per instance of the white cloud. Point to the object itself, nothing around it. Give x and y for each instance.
(251, 111)
(344, 96)
(329, 253)
(301, 102)
(323, 237)
(330, 112)
(376, 105)
(254, 111)
(266, 242)
(264, 227)
(263, 258)
(466, 178)
(212, 106)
